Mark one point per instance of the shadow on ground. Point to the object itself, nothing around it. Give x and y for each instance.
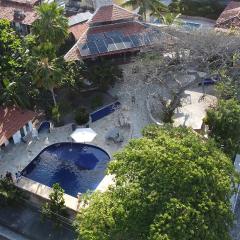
(27, 221)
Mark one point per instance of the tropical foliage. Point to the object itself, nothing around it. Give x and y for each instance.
(203, 8)
(56, 205)
(51, 26)
(13, 67)
(146, 6)
(9, 193)
(103, 74)
(170, 184)
(224, 125)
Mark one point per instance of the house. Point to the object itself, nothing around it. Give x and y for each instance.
(15, 123)
(111, 32)
(20, 13)
(230, 17)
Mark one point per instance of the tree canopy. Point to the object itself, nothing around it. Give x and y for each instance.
(52, 25)
(169, 185)
(15, 79)
(224, 125)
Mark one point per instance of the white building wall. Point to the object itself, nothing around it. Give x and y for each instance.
(25, 130)
(30, 126)
(17, 137)
(99, 3)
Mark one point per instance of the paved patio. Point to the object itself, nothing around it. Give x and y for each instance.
(15, 157)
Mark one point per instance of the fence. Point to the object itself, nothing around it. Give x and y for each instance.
(105, 111)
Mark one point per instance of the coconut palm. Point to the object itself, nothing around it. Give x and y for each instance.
(52, 25)
(146, 6)
(170, 18)
(47, 75)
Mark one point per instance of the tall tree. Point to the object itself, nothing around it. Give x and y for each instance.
(52, 25)
(170, 184)
(47, 74)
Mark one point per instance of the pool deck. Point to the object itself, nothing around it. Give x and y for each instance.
(43, 191)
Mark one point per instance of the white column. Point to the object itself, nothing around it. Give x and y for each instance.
(17, 137)
(30, 126)
(25, 130)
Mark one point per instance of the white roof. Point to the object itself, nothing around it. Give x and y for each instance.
(78, 18)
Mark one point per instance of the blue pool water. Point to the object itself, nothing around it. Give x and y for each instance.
(191, 25)
(76, 167)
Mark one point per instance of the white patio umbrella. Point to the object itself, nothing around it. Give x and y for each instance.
(82, 135)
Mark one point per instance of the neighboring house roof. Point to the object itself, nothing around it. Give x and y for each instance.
(119, 33)
(79, 18)
(111, 13)
(11, 120)
(230, 17)
(8, 10)
(78, 30)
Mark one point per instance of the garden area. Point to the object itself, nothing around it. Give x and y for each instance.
(168, 182)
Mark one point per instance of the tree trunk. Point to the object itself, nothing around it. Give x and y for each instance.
(53, 96)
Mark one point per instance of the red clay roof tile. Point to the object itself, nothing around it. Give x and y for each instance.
(229, 15)
(11, 120)
(7, 9)
(78, 30)
(111, 13)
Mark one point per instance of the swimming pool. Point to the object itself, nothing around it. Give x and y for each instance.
(191, 25)
(76, 167)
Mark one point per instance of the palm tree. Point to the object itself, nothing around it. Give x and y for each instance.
(47, 75)
(52, 25)
(10, 96)
(170, 18)
(145, 6)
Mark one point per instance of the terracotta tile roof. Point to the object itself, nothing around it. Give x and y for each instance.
(127, 28)
(25, 2)
(111, 13)
(11, 120)
(78, 30)
(7, 9)
(73, 54)
(230, 16)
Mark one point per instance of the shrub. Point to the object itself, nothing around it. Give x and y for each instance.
(81, 116)
(97, 101)
(9, 193)
(56, 114)
(56, 206)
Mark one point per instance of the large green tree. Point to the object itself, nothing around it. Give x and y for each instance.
(15, 75)
(224, 125)
(52, 25)
(169, 185)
